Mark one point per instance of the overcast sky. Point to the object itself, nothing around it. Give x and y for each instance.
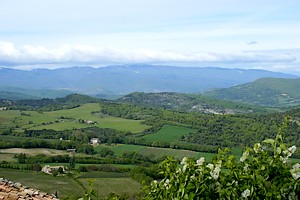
(224, 33)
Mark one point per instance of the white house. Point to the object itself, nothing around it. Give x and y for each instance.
(94, 141)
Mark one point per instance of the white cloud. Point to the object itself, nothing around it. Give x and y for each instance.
(43, 57)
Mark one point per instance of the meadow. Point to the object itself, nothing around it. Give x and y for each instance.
(154, 152)
(67, 119)
(63, 185)
(168, 133)
(104, 182)
(105, 186)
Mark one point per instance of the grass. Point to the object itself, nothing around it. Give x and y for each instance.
(155, 152)
(176, 153)
(8, 157)
(105, 186)
(124, 166)
(100, 174)
(120, 148)
(64, 185)
(34, 151)
(53, 120)
(168, 133)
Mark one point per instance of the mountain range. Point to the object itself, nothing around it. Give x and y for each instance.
(125, 79)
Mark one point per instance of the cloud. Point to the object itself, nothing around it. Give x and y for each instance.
(252, 42)
(29, 55)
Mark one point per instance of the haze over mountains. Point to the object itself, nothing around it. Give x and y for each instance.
(125, 79)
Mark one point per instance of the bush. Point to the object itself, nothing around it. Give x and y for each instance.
(263, 172)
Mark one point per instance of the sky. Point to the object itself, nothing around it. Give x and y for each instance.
(220, 33)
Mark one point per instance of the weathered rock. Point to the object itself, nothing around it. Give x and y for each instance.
(15, 191)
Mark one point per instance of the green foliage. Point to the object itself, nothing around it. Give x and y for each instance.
(90, 191)
(21, 158)
(36, 167)
(262, 172)
(104, 152)
(214, 131)
(72, 162)
(67, 102)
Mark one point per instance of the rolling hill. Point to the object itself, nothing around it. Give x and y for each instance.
(275, 92)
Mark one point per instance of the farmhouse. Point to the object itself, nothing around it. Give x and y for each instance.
(51, 169)
(90, 122)
(94, 141)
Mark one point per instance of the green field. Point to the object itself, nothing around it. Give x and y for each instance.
(64, 185)
(104, 182)
(67, 119)
(168, 133)
(155, 152)
(8, 157)
(105, 186)
(120, 148)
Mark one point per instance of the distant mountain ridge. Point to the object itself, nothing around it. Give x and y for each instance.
(125, 79)
(276, 92)
(14, 93)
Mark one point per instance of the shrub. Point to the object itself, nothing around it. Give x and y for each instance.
(263, 172)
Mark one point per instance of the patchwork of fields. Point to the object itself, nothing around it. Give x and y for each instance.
(67, 119)
(103, 182)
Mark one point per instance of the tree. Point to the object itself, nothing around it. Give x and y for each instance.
(36, 167)
(21, 158)
(60, 170)
(72, 162)
(104, 152)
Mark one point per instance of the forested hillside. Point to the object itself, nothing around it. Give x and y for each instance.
(69, 101)
(189, 103)
(212, 130)
(273, 92)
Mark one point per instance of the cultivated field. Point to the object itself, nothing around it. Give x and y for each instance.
(67, 119)
(168, 133)
(155, 152)
(8, 157)
(35, 151)
(64, 185)
(105, 186)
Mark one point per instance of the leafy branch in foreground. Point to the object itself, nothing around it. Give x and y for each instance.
(262, 172)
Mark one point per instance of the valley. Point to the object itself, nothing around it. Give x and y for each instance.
(135, 134)
(114, 148)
